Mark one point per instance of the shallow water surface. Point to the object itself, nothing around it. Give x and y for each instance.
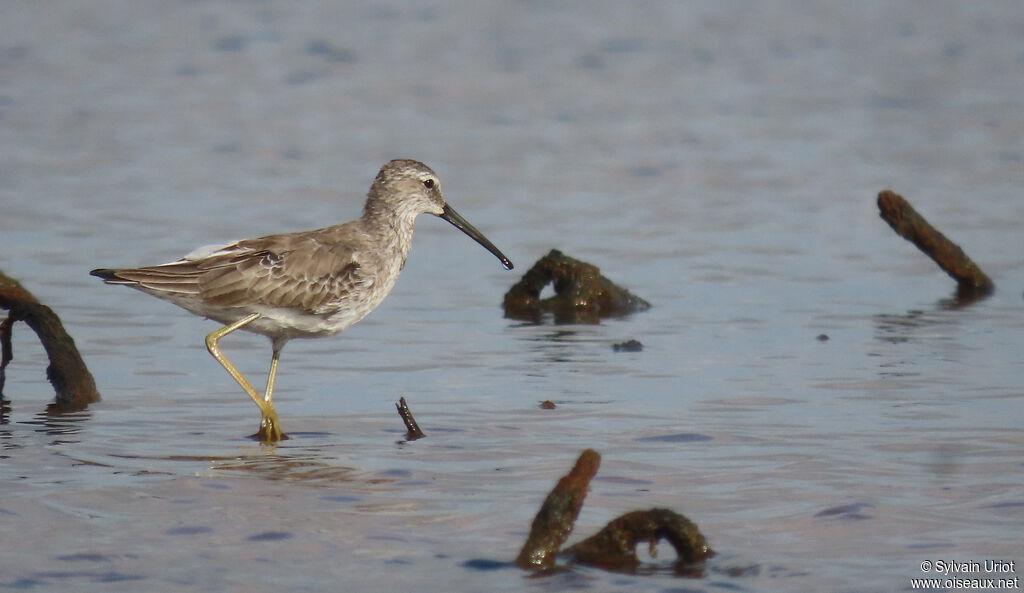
(720, 161)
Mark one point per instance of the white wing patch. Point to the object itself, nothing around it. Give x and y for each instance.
(206, 251)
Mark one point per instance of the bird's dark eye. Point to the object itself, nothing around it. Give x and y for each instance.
(428, 183)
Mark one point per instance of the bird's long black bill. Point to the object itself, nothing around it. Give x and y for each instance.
(460, 223)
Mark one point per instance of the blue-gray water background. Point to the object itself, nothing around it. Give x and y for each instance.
(719, 159)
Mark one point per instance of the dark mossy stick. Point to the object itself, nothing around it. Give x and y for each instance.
(413, 431)
(614, 547)
(910, 225)
(556, 517)
(73, 383)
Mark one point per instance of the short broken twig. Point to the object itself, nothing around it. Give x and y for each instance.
(413, 431)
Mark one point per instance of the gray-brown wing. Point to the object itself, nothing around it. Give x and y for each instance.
(302, 273)
(294, 271)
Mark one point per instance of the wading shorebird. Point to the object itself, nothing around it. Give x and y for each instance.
(307, 284)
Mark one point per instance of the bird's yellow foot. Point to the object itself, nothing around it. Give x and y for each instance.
(270, 428)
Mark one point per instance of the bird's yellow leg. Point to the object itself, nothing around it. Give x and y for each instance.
(270, 426)
(268, 396)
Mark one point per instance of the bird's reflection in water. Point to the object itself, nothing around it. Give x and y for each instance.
(299, 467)
(306, 467)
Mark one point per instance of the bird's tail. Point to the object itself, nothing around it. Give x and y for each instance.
(109, 275)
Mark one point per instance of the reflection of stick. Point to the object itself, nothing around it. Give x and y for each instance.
(71, 380)
(556, 517)
(413, 431)
(910, 225)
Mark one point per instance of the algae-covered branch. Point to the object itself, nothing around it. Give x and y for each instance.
(73, 383)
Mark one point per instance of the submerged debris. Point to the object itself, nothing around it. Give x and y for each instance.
(614, 547)
(73, 383)
(628, 346)
(582, 294)
(910, 225)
